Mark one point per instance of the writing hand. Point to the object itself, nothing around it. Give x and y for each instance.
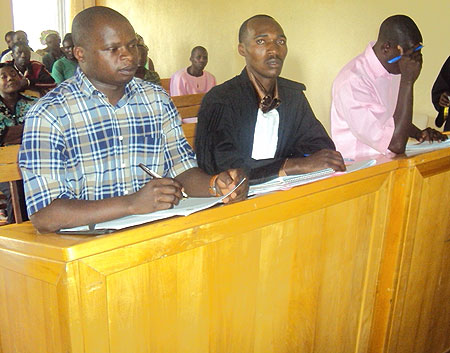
(157, 194)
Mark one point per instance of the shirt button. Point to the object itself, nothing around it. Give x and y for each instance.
(120, 138)
(123, 165)
(125, 192)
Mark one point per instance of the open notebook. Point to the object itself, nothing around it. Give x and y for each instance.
(413, 148)
(184, 208)
(287, 182)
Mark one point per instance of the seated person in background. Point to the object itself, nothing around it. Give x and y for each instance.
(440, 95)
(13, 107)
(53, 41)
(259, 121)
(142, 72)
(65, 67)
(34, 75)
(371, 110)
(83, 142)
(21, 37)
(9, 42)
(193, 79)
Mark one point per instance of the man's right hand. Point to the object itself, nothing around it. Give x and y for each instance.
(443, 100)
(319, 160)
(410, 65)
(156, 195)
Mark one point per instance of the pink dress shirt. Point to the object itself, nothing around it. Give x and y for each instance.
(364, 99)
(181, 83)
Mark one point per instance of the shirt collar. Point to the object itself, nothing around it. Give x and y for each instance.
(267, 101)
(89, 89)
(375, 65)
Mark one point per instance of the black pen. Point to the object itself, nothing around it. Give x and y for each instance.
(156, 176)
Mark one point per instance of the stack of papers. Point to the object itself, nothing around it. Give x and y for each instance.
(413, 148)
(288, 182)
(185, 207)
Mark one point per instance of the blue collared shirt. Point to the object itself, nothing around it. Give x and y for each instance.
(76, 145)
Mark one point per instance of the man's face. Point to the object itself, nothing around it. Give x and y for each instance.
(20, 37)
(110, 56)
(264, 48)
(53, 41)
(9, 40)
(68, 49)
(9, 80)
(21, 55)
(199, 59)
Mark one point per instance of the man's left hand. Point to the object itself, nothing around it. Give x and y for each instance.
(227, 181)
(430, 134)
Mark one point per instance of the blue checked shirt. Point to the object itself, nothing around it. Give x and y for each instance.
(76, 145)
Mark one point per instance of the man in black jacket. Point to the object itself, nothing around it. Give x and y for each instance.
(259, 121)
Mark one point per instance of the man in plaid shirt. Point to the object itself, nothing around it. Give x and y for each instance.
(83, 142)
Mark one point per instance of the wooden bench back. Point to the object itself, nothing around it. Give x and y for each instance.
(189, 133)
(188, 105)
(165, 83)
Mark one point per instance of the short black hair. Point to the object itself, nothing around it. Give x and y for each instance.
(243, 31)
(84, 22)
(400, 30)
(10, 33)
(7, 64)
(68, 36)
(198, 47)
(19, 44)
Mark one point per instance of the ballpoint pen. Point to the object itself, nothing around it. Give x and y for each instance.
(397, 58)
(156, 176)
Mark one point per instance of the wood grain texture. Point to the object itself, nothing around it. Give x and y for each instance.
(355, 263)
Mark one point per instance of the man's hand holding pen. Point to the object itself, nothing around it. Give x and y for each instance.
(226, 181)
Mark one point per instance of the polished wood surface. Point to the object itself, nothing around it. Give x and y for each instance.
(189, 133)
(10, 172)
(345, 264)
(165, 83)
(188, 105)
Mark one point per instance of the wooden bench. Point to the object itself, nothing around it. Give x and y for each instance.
(189, 133)
(10, 172)
(165, 83)
(188, 105)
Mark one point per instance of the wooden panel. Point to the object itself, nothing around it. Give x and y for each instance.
(9, 169)
(421, 319)
(302, 282)
(189, 133)
(165, 83)
(31, 317)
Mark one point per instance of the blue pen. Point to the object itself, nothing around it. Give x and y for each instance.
(397, 58)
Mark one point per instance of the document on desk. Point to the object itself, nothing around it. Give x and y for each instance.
(290, 181)
(413, 148)
(185, 207)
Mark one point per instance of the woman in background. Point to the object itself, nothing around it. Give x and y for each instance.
(13, 107)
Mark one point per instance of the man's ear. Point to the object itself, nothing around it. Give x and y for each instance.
(386, 47)
(241, 49)
(79, 52)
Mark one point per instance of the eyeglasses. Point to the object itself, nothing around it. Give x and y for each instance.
(397, 58)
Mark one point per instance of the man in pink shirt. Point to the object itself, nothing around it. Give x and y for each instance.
(371, 110)
(193, 79)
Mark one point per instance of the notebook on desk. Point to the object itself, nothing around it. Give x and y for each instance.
(185, 207)
(290, 181)
(414, 148)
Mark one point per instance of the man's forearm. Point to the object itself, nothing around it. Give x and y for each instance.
(402, 118)
(66, 213)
